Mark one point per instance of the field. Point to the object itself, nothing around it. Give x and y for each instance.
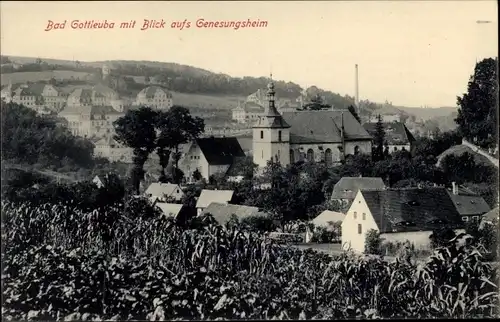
(126, 262)
(23, 77)
(206, 101)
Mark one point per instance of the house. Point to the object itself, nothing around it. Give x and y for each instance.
(223, 212)
(347, 188)
(209, 156)
(312, 136)
(112, 150)
(397, 136)
(180, 212)
(164, 191)
(470, 206)
(249, 112)
(491, 217)
(326, 217)
(98, 182)
(208, 196)
(399, 215)
(155, 97)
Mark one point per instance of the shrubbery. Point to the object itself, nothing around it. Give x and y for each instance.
(132, 263)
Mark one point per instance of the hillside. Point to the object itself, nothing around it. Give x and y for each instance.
(203, 88)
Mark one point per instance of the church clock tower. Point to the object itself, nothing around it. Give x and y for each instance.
(271, 134)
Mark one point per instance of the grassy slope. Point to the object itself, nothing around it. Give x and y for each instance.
(193, 100)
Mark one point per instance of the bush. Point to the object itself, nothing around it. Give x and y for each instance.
(373, 242)
(258, 223)
(61, 263)
(441, 237)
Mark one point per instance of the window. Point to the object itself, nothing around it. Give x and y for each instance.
(279, 136)
(328, 157)
(310, 155)
(356, 150)
(360, 229)
(364, 216)
(395, 148)
(475, 218)
(465, 218)
(355, 215)
(261, 134)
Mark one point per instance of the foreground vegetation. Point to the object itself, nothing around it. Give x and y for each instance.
(124, 261)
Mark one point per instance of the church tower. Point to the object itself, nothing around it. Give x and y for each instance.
(271, 134)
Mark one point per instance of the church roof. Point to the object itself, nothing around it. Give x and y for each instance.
(323, 127)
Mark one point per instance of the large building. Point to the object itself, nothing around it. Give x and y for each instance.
(36, 96)
(98, 95)
(91, 121)
(313, 136)
(155, 97)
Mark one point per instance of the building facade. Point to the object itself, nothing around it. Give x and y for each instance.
(397, 136)
(91, 121)
(110, 149)
(155, 97)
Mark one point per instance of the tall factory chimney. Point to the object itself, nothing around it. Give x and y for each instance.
(356, 89)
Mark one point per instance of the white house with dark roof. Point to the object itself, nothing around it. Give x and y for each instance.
(346, 189)
(163, 191)
(312, 136)
(98, 95)
(91, 121)
(155, 97)
(209, 156)
(399, 215)
(208, 196)
(397, 136)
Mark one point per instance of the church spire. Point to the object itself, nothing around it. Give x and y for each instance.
(271, 108)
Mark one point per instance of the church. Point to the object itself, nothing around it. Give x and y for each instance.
(312, 136)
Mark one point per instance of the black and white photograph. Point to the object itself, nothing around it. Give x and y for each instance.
(249, 160)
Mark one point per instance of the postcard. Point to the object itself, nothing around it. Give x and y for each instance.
(249, 160)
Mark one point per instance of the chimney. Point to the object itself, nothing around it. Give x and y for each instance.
(356, 89)
(454, 188)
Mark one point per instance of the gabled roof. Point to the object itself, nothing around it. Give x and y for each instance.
(170, 209)
(402, 210)
(469, 205)
(396, 133)
(104, 110)
(220, 151)
(222, 212)
(348, 187)
(252, 107)
(324, 127)
(150, 92)
(158, 189)
(491, 216)
(327, 216)
(209, 196)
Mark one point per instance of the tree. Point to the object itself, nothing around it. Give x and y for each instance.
(477, 119)
(316, 104)
(197, 175)
(176, 127)
(352, 109)
(373, 242)
(379, 140)
(137, 130)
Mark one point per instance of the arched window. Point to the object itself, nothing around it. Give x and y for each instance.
(356, 150)
(292, 156)
(328, 157)
(310, 155)
(395, 148)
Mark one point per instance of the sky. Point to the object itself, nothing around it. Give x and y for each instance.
(410, 53)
